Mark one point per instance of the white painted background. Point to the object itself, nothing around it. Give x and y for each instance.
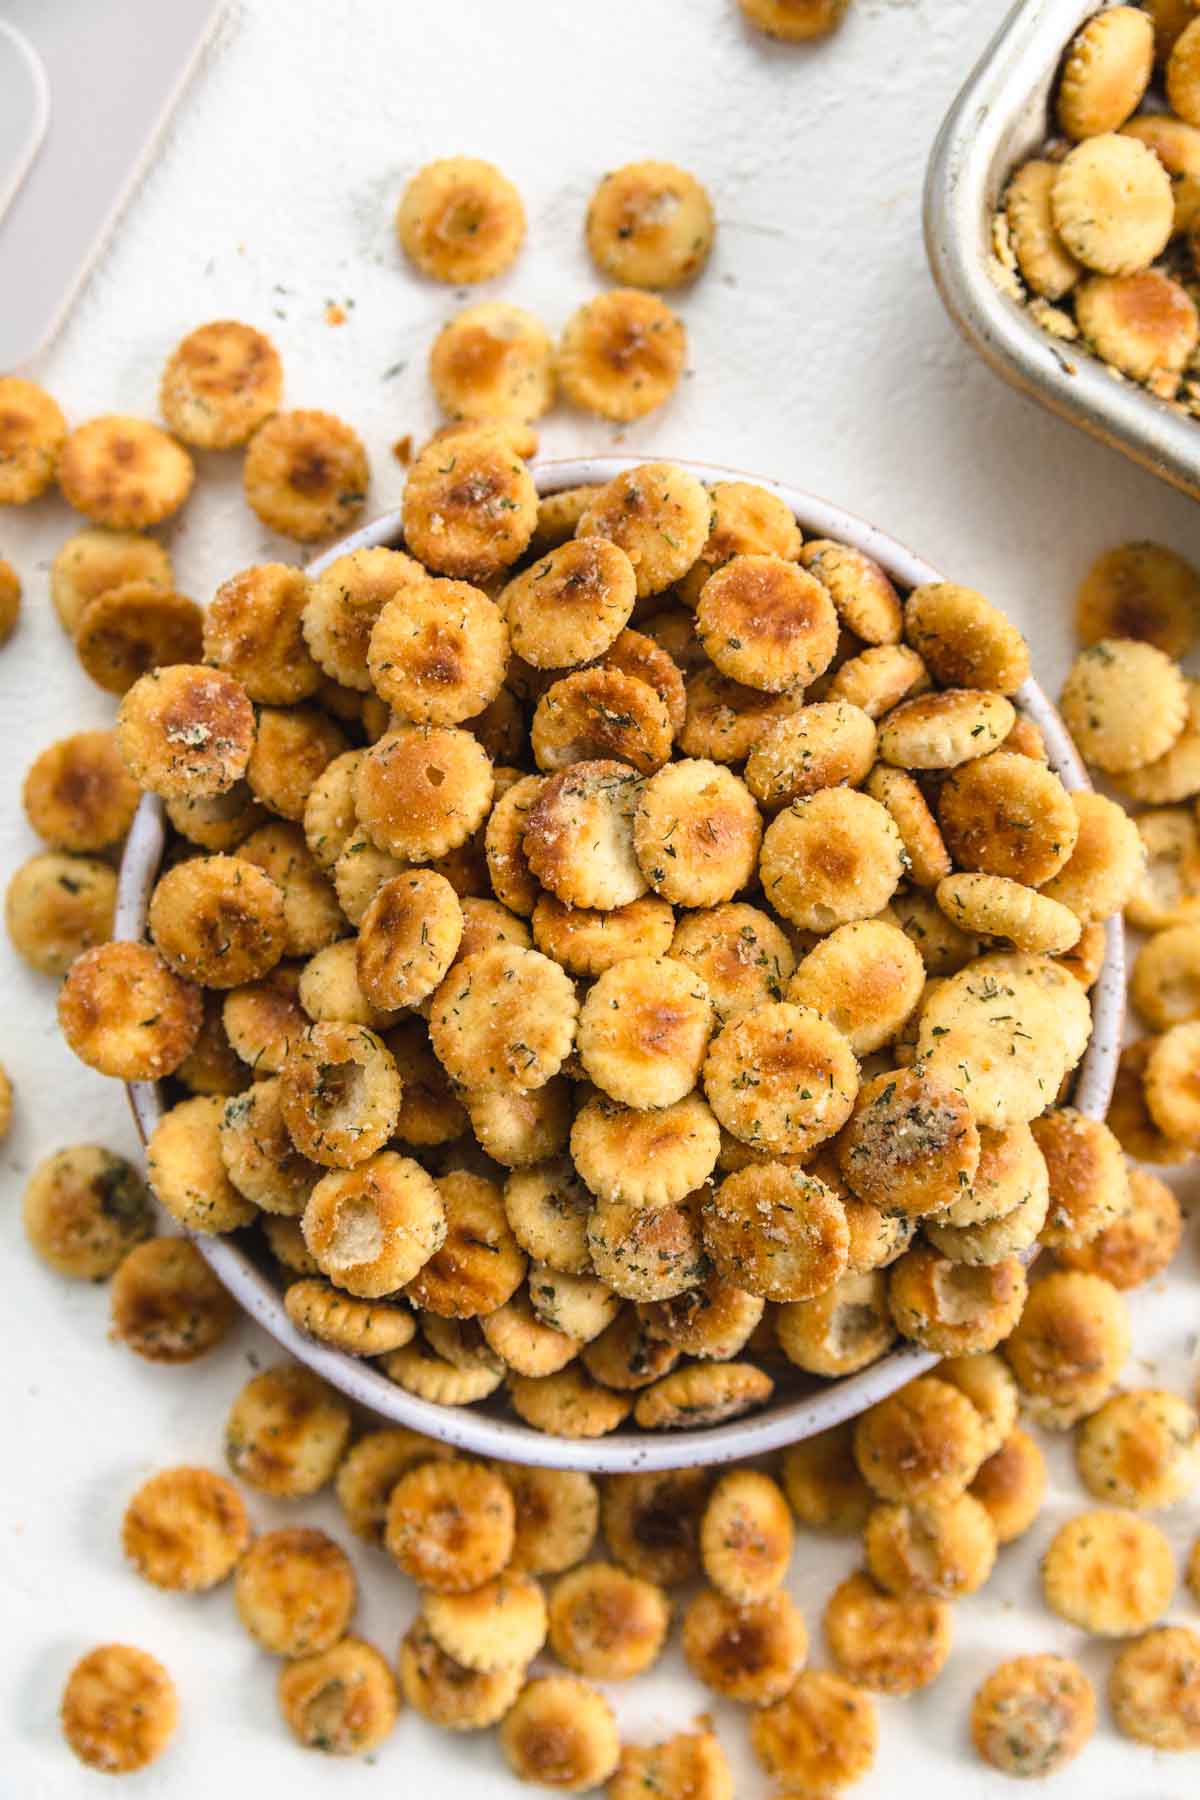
(820, 355)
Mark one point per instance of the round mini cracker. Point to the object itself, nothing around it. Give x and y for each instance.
(1154, 1689)
(746, 520)
(96, 559)
(493, 362)
(1004, 1032)
(561, 1733)
(1143, 325)
(644, 1029)
(295, 1592)
(32, 434)
(504, 1018)
(460, 220)
(650, 225)
(885, 1644)
(556, 1517)
(422, 791)
(621, 355)
(823, 745)
(286, 1432)
(125, 1012)
(1034, 1714)
(340, 1093)
(438, 652)
(126, 632)
(994, 906)
(866, 978)
(601, 712)
(78, 794)
(219, 384)
(1113, 205)
(696, 833)
(879, 678)
(1168, 891)
(1110, 1573)
(648, 1156)
(1104, 867)
(767, 623)
(342, 1700)
(186, 732)
(781, 1077)
(572, 605)
(568, 1403)
(119, 1709)
(1140, 590)
(702, 1394)
(579, 834)
(1088, 1182)
(688, 1762)
(588, 940)
(840, 1331)
(952, 1308)
(470, 505)
(1006, 814)
(724, 720)
(1183, 75)
(739, 952)
(1137, 1246)
(499, 1625)
(57, 906)
(795, 21)
(1046, 266)
(477, 1264)
(185, 1529)
(944, 729)
(648, 1252)
(305, 475)
(373, 1227)
(866, 601)
(606, 1622)
(831, 858)
(659, 515)
(408, 938)
(750, 1654)
(923, 1445)
(1124, 703)
(84, 1209)
(945, 1551)
(167, 1305)
(746, 1536)
(1107, 70)
(1072, 1338)
(450, 1525)
(777, 1232)
(124, 472)
(447, 1694)
(965, 641)
(911, 1145)
(1140, 1450)
(1011, 1484)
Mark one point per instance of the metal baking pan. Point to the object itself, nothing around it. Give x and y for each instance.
(1000, 118)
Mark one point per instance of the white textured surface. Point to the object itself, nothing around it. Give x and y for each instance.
(820, 356)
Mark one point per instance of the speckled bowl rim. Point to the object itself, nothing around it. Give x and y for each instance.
(785, 1420)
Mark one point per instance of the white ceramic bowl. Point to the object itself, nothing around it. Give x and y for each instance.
(800, 1407)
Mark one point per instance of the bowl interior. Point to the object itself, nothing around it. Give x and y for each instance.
(800, 1407)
